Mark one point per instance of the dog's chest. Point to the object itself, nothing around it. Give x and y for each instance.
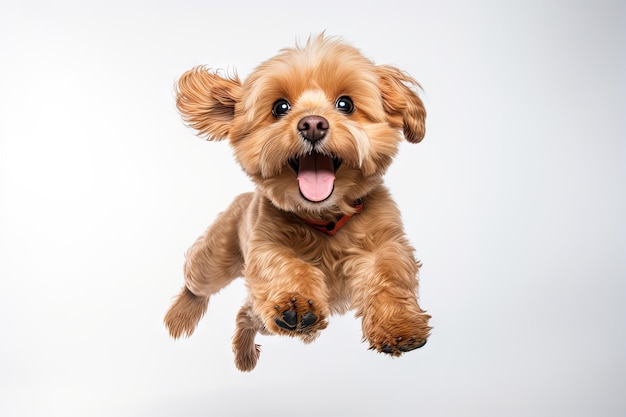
(327, 253)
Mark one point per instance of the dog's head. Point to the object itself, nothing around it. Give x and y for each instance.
(315, 127)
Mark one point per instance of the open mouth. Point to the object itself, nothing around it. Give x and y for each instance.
(316, 175)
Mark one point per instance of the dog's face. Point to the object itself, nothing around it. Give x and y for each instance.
(315, 127)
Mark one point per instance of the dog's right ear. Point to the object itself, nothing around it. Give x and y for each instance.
(206, 101)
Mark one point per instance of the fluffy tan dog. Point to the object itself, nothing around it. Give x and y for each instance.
(315, 128)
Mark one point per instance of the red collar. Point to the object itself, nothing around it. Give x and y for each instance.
(331, 228)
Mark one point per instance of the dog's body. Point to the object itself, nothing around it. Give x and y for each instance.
(315, 128)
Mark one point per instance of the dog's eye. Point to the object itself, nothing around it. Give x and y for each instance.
(280, 108)
(344, 104)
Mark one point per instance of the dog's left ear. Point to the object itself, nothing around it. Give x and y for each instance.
(401, 102)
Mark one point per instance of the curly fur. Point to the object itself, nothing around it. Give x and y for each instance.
(297, 276)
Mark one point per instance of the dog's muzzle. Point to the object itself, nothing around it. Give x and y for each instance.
(315, 171)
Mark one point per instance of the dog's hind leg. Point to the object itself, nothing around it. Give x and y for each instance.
(248, 325)
(211, 263)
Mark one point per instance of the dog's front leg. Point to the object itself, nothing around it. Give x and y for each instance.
(288, 294)
(384, 288)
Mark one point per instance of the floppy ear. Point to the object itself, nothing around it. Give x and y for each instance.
(403, 106)
(206, 101)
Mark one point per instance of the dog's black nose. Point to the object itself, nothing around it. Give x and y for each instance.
(313, 128)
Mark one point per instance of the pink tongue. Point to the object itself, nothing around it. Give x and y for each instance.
(316, 177)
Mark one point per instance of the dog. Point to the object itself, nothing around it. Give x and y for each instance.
(315, 128)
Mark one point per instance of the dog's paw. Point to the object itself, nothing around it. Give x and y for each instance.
(399, 336)
(246, 357)
(397, 346)
(294, 314)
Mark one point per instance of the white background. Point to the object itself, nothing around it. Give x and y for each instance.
(515, 202)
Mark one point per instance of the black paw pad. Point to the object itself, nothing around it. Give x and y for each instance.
(308, 319)
(402, 346)
(298, 315)
(386, 349)
(289, 319)
(411, 345)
